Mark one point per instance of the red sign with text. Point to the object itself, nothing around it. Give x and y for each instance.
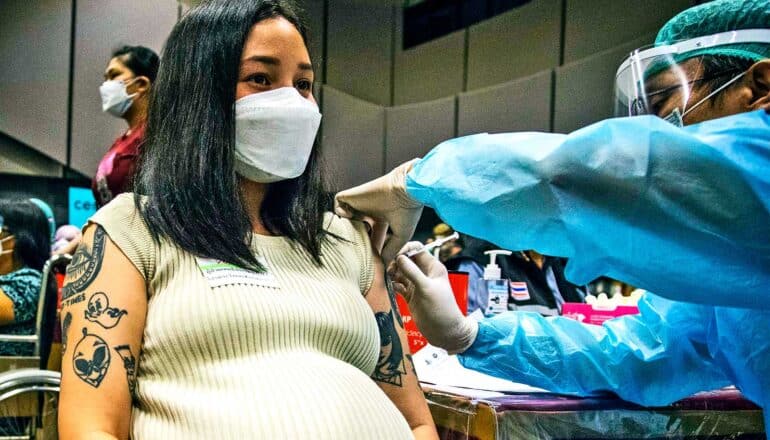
(459, 283)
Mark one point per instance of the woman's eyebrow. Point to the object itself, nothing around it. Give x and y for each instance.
(264, 59)
(274, 61)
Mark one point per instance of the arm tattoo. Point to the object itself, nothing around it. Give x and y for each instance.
(85, 265)
(91, 359)
(73, 299)
(411, 362)
(129, 363)
(65, 326)
(392, 297)
(390, 365)
(100, 312)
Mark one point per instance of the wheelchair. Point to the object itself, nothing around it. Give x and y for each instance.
(29, 393)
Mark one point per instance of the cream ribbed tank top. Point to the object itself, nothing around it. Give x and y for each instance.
(226, 355)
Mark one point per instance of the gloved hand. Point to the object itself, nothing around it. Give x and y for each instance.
(385, 201)
(424, 282)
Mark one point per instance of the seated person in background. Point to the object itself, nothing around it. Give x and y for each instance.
(224, 303)
(537, 281)
(26, 245)
(609, 287)
(449, 248)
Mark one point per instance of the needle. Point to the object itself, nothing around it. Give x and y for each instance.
(433, 245)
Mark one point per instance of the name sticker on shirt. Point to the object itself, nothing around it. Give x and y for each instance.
(218, 274)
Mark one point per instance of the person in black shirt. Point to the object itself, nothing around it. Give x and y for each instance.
(537, 281)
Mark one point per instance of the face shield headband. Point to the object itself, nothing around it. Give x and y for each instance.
(649, 77)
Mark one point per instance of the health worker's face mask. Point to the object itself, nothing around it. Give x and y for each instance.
(274, 134)
(115, 99)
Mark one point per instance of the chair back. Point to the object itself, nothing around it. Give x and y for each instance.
(47, 305)
(45, 320)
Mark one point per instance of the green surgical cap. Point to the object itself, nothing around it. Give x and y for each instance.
(720, 16)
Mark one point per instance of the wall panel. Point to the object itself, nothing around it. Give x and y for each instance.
(34, 73)
(593, 26)
(413, 130)
(520, 105)
(360, 48)
(17, 158)
(432, 70)
(585, 89)
(515, 44)
(353, 137)
(102, 26)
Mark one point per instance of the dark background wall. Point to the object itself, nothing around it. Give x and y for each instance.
(547, 65)
(52, 58)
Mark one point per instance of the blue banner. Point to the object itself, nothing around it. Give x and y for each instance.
(81, 206)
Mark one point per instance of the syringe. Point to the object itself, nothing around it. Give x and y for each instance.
(430, 246)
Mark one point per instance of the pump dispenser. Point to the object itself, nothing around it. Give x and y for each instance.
(493, 286)
(492, 270)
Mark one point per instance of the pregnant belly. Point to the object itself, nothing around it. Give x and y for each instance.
(284, 396)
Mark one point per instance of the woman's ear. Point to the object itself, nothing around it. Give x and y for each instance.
(758, 80)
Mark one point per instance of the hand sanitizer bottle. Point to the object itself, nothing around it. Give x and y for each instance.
(493, 287)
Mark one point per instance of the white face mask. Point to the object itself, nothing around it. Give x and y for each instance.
(2, 244)
(115, 99)
(6, 256)
(274, 134)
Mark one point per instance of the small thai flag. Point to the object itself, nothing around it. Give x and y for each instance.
(519, 291)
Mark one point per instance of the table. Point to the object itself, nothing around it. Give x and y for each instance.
(723, 414)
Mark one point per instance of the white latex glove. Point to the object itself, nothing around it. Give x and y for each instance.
(385, 201)
(424, 282)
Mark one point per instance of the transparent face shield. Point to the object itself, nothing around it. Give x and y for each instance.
(665, 81)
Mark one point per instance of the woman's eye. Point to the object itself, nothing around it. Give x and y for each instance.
(304, 85)
(259, 80)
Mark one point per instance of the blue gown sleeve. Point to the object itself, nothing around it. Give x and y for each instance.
(638, 357)
(682, 212)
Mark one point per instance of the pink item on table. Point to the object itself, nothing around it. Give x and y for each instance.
(593, 314)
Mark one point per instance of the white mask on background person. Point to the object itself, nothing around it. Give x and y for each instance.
(274, 134)
(6, 256)
(3, 240)
(115, 99)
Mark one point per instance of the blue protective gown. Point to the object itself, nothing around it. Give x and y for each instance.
(682, 212)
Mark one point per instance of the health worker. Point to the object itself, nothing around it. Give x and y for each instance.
(674, 199)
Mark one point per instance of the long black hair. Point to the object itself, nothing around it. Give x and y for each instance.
(187, 164)
(29, 225)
